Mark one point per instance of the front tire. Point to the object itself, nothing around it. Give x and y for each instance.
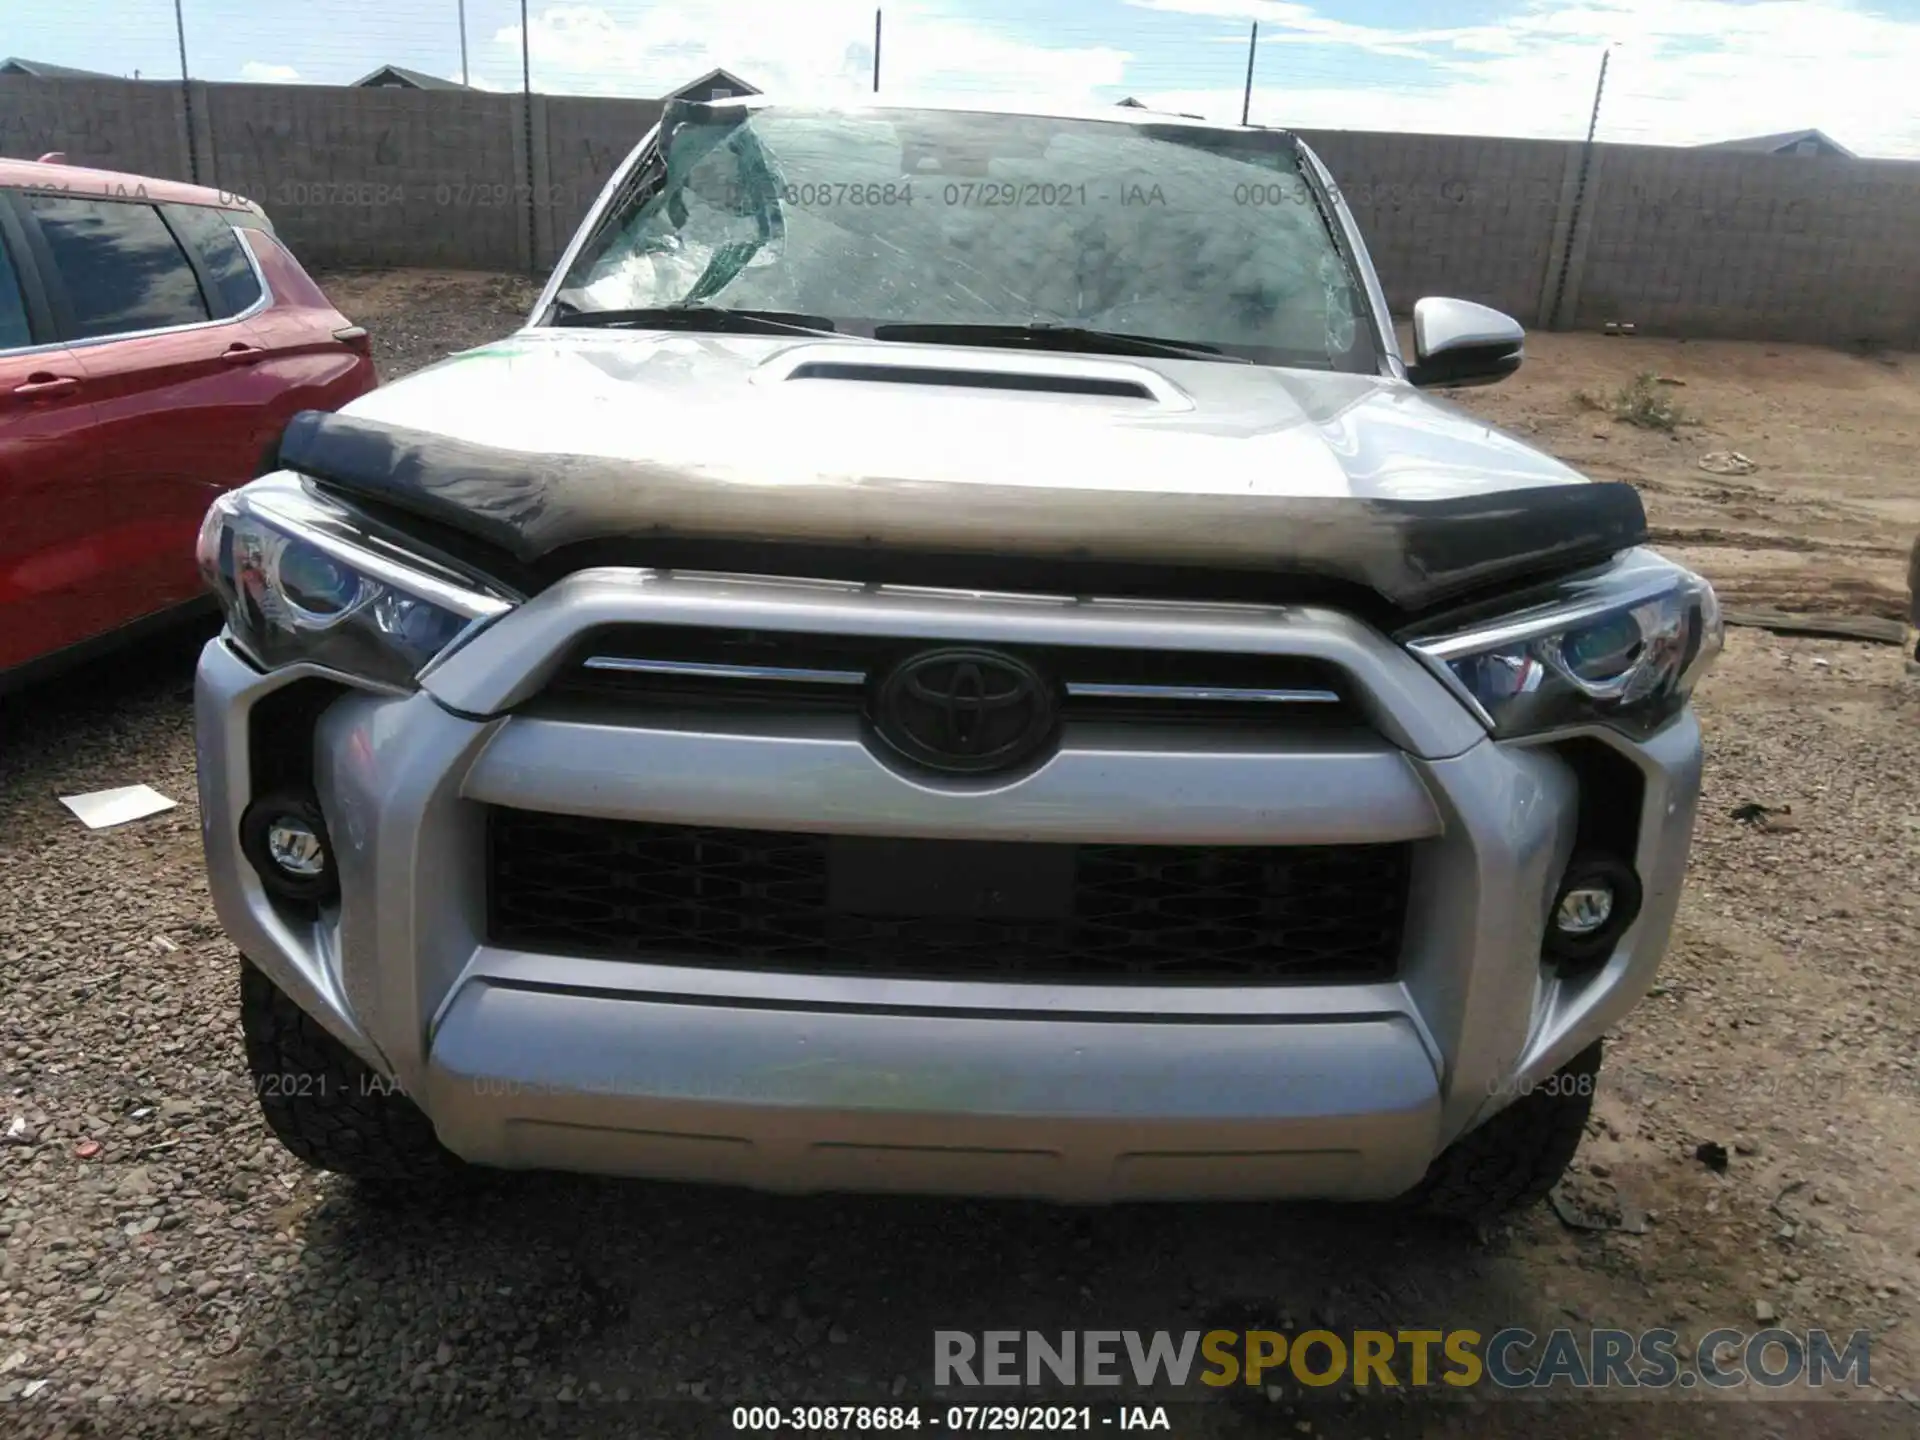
(1513, 1159)
(323, 1103)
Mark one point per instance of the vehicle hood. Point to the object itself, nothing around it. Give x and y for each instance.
(752, 409)
(959, 467)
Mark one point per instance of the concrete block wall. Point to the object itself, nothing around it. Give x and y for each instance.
(585, 141)
(378, 176)
(1757, 247)
(134, 126)
(1676, 241)
(1452, 215)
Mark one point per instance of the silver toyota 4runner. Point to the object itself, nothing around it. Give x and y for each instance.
(952, 654)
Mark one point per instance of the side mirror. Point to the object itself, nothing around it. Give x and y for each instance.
(1456, 342)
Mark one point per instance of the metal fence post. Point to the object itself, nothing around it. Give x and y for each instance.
(1579, 196)
(186, 92)
(1246, 99)
(526, 117)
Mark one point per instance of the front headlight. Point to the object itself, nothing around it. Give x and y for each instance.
(301, 583)
(1622, 646)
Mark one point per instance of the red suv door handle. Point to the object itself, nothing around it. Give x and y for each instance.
(242, 354)
(43, 386)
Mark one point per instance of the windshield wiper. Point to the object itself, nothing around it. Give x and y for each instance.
(718, 319)
(1050, 335)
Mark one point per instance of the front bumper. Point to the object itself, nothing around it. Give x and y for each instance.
(801, 1082)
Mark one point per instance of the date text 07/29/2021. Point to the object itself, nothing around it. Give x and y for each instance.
(847, 1419)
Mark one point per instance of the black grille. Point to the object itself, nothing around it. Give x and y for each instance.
(765, 900)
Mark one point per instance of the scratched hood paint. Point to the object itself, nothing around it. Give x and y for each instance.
(732, 404)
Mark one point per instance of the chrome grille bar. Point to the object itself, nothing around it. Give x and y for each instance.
(1201, 694)
(715, 671)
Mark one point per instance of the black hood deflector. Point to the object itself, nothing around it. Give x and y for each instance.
(545, 515)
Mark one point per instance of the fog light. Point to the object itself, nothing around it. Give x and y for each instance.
(1583, 911)
(1598, 899)
(294, 848)
(284, 837)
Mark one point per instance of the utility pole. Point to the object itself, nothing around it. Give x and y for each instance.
(1552, 317)
(526, 113)
(876, 52)
(186, 93)
(1246, 100)
(526, 60)
(1599, 89)
(463, 42)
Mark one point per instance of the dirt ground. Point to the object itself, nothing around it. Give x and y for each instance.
(417, 316)
(1824, 522)
(190, 1273)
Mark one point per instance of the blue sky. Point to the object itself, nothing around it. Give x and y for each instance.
(1681, 71)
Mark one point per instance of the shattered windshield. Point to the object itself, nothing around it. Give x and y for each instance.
(890, 217)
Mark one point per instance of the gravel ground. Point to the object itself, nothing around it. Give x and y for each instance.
(417, 316)
(166, 1266)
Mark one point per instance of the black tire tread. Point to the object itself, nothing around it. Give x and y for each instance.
(1514, 1158)
(323, 1103)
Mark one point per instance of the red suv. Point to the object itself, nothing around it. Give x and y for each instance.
(154, 339)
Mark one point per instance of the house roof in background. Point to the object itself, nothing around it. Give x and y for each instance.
(1785, 140)
(17, 65)
(706, 82)
(418, 79)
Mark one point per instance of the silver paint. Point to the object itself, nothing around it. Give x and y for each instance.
(795, 1081)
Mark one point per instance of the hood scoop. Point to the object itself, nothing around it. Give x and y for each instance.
(1053, 384)
(937, 366)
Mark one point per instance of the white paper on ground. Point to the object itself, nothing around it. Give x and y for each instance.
(100, 808)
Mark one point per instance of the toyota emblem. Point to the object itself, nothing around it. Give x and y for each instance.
(964, 711)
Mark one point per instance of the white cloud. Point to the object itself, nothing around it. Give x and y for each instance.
(265, 74)
(821, 49)
(1681, 71)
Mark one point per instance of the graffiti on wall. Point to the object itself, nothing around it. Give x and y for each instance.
(83, 136)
